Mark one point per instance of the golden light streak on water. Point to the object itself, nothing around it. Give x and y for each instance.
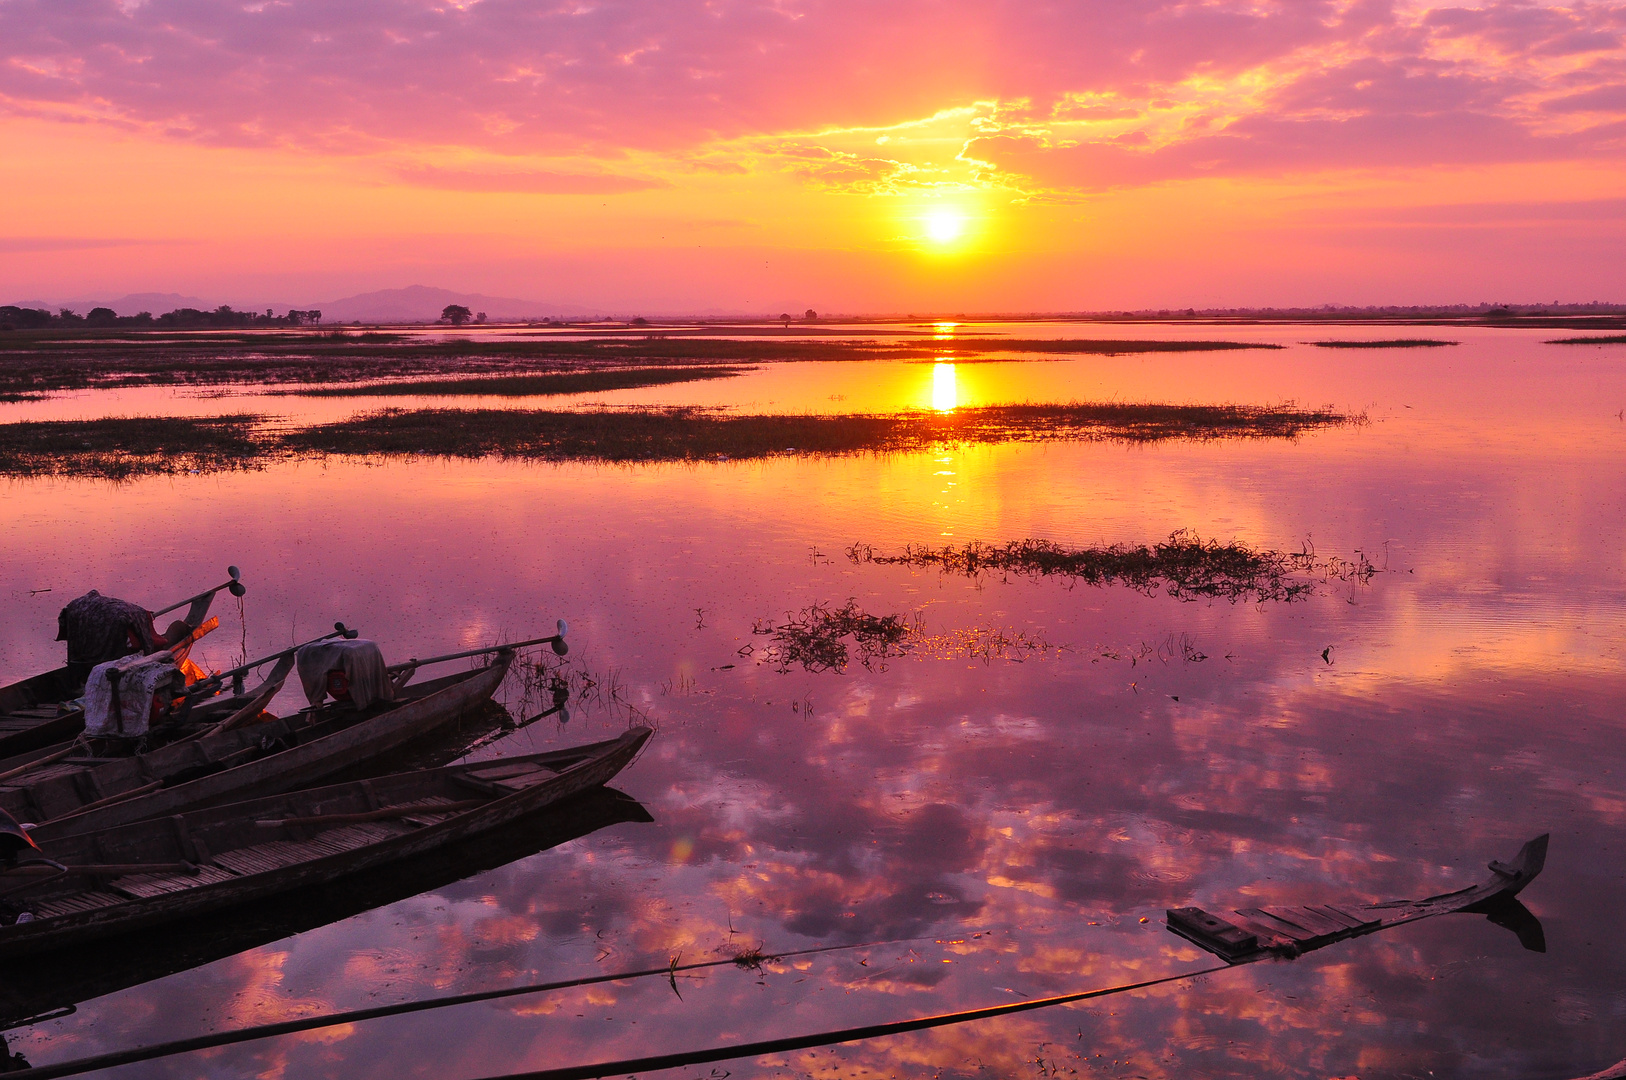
(945, 391)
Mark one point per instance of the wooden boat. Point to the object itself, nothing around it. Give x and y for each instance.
(1285, 932)
(77, 795)
(29, 989)
(34, 712)
(156, 872)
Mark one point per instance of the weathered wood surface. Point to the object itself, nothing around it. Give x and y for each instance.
(104, 966)
(29, 717)
(1256, 933)
(236, 859)
(235, 764)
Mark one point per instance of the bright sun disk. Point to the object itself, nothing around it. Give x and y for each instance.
(945, 225)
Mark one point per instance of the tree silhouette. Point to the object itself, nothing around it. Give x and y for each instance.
(456, 314)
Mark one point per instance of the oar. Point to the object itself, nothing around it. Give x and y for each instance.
(233, 583)
(560, 647)
(213, 682)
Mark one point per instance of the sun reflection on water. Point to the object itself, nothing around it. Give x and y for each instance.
(945, 392)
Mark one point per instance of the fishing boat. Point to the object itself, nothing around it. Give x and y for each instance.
(72, 890)
(231, 751)
(30, 990)
(1259, 933)
(84, 794)
(40, 710)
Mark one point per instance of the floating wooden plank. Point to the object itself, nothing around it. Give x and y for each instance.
(1256, 933)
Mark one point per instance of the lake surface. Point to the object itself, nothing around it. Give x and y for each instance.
(1006, 823)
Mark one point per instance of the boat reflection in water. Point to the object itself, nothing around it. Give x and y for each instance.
(31, 988)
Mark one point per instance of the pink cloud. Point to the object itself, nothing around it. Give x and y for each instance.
(1363, 84)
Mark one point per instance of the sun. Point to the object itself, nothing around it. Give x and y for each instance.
(945, 225)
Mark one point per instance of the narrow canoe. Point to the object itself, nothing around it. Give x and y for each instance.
(1284, 932)
(29, 988)
(216, 858)
(31, 715)
(239, 764)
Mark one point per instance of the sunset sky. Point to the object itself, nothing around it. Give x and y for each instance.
(682, 155)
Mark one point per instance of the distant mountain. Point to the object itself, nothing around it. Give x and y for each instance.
(132, 304)
(420, 303)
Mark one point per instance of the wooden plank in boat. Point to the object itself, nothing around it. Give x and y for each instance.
(140, 885)
(89, 900)
(504, 772)
(431, 818)
(275, 854)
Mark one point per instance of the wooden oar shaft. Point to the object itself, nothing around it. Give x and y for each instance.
(108, 869)
(110, 800)
(228, 583)
(243, 669)
(374, 815)
(506, 647)
(38, 762)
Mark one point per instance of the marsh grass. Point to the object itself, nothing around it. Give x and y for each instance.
(44, 362)
(816, 638)
(120, 447)
(689, 434)
(1184, 566)
(1392, 343)
(1612, 339)
(124, 447)
(538, 385)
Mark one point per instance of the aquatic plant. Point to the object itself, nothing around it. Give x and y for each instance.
(1184, 566)
(816, 638)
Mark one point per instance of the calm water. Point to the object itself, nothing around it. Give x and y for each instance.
(1002, 826)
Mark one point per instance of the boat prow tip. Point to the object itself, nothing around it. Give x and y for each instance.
(1530, 860)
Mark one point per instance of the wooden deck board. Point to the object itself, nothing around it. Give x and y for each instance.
(139, 885)
(80, 901)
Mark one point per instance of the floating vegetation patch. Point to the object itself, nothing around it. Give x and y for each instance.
(539, 385)
(1612, 339)
(822, 638)
(688, 434)
(117, 448)
(1185, 566)
(1392, 343)
(133, 446)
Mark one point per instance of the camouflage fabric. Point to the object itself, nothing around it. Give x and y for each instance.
(100, 628)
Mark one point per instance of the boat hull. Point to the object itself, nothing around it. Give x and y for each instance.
(603, 762)
(301, 765)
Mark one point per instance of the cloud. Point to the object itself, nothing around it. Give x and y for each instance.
(1218, 85)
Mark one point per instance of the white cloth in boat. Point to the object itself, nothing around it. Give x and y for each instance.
(139, 679)
(361, 662)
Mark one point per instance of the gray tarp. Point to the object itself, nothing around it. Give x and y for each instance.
(361, 663)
